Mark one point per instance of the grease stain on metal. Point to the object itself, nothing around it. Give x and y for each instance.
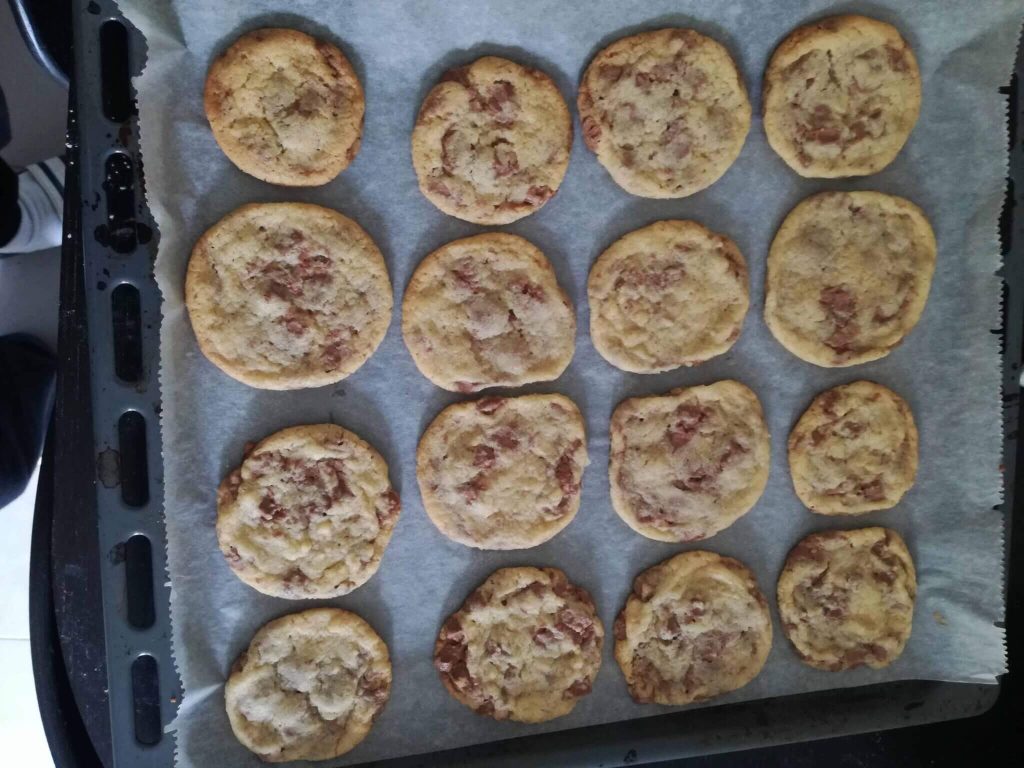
(108, 468)
(117, 553)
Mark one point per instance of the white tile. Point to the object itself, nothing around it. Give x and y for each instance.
(14, 556)
(21, 730)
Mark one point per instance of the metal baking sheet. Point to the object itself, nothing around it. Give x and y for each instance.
(595, 385)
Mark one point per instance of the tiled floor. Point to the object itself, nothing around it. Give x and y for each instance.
(19, 716)
(28, 304)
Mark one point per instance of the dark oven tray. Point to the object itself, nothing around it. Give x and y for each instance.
(99, 603)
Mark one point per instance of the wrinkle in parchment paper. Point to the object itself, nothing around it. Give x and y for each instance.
(948, 369)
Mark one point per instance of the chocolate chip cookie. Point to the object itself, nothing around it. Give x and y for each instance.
(848, 276)
(670, 294)
(695, 626)
(854, 450)
(687, 464)
(846, 598)
(666, 112)
(841, 97)
(503, 472)
(307, 514)
(525, 646)
(285, 107)
(491, 142)
(287, 295)
(309, 686)
(487, 311)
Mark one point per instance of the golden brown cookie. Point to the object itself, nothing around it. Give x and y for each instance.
(669, 294)
(287, 295)
(309, 686)
(491, 142)
(308, 514)
(695, 626)
(285, 107)
(524, 646)
(503, 472)
(687, 464)
(854, 450)
(846, 598)
(841, 97)
(487, 311)
(666, 112)
(848, 276)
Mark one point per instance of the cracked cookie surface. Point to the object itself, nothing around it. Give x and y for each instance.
(287, 295)
(848, 276)
(841, 97)
(308, 513)
(854, 450)
(666, 112)
(846, 598)
(285, 107)
(694, 626)
(487, 311)
(670, 294)
(309, 686)
(524, 646)
(685, 465)
(491, 142)
(503, 472)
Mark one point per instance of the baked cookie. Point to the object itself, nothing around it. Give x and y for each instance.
(309, 686)
(665, 112)
(307, 514)
(670, 294)
(846, 598)
(524, 646)
(487, 311)
(854, 450)
(285, 107)
(287, 295)
(841, 97)
(848, 276)
(503, 472)
(491, 142)
(687, 464)
(695, 626)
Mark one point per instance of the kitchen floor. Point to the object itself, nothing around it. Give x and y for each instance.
(28, 304)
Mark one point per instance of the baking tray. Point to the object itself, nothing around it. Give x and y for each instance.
(106, 679)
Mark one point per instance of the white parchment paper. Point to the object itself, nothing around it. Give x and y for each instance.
(948, 369)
